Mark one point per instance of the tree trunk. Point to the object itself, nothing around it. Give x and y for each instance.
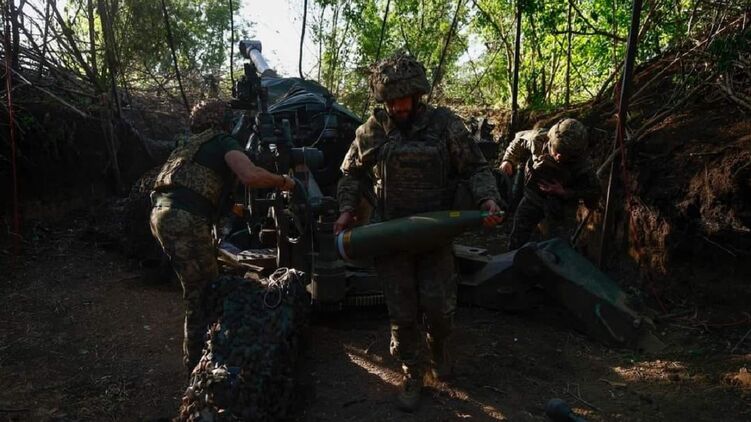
(320, 42)
(15, 37)
(438, 73)
(515, 86)
(302, 36)
(44, 37)
(567, 100)
(109, 52)
(333, 47)
(174, 56)
(92, 36)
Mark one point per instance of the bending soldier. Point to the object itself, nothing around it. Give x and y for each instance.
(186, 202)
(557, 174)
(412, 155)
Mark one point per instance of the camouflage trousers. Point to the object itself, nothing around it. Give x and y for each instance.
(529, 214)
(187, 240)
(420, 292)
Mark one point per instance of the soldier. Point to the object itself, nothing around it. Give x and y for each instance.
(187, 200)
(557, 174)
(413, 155)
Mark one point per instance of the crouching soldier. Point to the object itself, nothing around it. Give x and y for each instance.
(558, 175)
(187, 199)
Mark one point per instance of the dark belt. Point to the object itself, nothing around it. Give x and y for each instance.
(190, 202)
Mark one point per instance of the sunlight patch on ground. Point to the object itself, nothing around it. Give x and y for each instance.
(742, 378)
(657, 370)
(373, 364)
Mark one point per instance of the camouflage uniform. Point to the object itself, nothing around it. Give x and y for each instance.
(185, 201)
(411, 173)
(531, 148)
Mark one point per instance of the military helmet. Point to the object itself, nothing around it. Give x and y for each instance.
(398, 76)
(209, 114)
(568, 137)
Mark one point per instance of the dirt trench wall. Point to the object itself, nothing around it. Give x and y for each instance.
(689, 220)
(63, 161)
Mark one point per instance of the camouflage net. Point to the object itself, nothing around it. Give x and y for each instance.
(247, 371)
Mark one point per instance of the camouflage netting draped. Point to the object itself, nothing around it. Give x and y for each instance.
(247, 371)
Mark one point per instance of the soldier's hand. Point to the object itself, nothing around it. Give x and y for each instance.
(507, 168)
(552, 188)
(495, 218)
(288, 183)
(344, 222)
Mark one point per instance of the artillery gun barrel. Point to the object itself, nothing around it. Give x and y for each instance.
(251, 49)
(416, 233)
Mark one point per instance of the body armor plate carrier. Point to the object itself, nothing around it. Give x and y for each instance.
(415, 173)
(181, 170)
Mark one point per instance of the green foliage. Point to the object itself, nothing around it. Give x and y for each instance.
(478, 63)
(200, 30)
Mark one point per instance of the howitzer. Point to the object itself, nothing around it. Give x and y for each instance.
(291, 126)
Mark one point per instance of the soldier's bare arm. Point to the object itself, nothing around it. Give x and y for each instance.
(253, 176)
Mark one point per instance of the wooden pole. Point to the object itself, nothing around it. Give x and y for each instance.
(633, 38)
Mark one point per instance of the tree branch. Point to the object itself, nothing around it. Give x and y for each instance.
(594, 28)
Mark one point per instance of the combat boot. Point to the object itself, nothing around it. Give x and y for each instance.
(408, 398)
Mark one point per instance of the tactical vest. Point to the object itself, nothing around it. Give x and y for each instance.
(413, 175)
(181, 171)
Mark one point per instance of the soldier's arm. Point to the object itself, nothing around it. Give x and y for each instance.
(469, 163)
(517, 152)
(358, 164)
(253, 176)
(349, 187)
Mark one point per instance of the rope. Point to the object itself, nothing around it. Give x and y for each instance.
(279, 284)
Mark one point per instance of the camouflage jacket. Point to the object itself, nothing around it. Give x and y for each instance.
(578, 177)
(362, 166)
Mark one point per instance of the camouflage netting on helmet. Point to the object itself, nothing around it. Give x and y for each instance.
(209, 114)
(397, 77)
(247, 371)
(569, 137)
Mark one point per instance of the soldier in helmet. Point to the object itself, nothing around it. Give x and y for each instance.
(412, 155)
(557, 172)
(187, 199)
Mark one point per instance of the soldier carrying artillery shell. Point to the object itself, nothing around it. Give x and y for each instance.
(412, 156)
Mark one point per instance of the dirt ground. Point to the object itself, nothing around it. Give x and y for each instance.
(84, 337)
